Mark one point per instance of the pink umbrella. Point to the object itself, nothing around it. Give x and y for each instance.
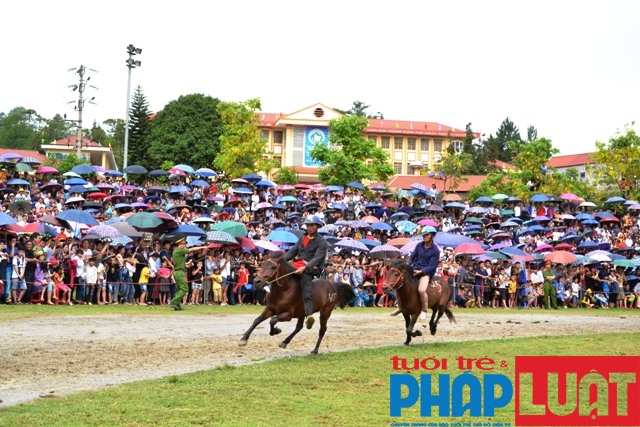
(266, 245)
(46, 169)
(543, 248)
(522, 258)
(469, 249)
(427, 221)
(286, 187)
(570, 196)
(561, 257)
(176, 171)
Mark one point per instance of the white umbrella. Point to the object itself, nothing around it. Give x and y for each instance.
(587, 205)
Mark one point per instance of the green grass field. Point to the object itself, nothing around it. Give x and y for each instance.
(347, 388)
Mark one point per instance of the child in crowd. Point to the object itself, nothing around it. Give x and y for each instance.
(196, 283)
(242, 278)
(143, 282)
(216, 286)
(513, 286)
(91, 276)
(101, 286)
(58, 281)
(165, 283)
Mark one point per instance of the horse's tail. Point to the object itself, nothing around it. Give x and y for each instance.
(450, 316)
(345, 294)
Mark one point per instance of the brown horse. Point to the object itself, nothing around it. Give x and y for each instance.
(284, 301)
(400, 278)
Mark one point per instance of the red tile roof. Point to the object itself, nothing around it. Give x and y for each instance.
(404, 181)
(386, 126)
(570, 160)
(71, 141)
(502, 165)
(24, 153)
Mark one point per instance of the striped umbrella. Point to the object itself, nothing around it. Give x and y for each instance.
(103, 231)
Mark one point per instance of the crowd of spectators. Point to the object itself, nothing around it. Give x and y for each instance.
(48, 261)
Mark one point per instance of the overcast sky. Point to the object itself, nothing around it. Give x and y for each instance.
(571, 69)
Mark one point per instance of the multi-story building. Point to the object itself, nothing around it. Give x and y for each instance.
(412, 146)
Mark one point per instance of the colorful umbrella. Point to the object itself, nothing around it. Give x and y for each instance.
(385, 251)
(282, 236)
(221, 237)
(353, 245)
(236, 229)
(144, 221)
(77, 215)
(469, 249)
(103, 231)
(561, 257)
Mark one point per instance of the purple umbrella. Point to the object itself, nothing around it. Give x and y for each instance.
(351, 244)
(385, 251)
(103, 231)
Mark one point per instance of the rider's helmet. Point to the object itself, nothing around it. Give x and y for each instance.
(429, 229)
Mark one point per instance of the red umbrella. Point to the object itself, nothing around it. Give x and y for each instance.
(469, 249)
(97, 196)
(390, 204)
(561, 257)
(398, 242)
(245, 242)
(563, 247)
(452, 198)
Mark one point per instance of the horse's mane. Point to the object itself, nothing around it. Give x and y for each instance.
(401, 265)
(278, 256)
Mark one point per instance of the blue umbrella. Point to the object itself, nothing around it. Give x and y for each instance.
(158, 172)
(590, 222)
(264, 183)
(83, 169)
(199, 183)
(18, 181)
(350, 244)
(252, 177)
(455, 205)
(379, 188)
(512, 251)
(282, 236)
(540, 198)
(605, 215)
(419, 187)
(112, 172)
(339, 206)
(583, 215)
(179, 189)
(615, 199)
(187, 230)
(484, 199)
(356, 185)
(136, 170)
(185, 168)
(6, 219)
(382, 226)
(242, 190)
(75, 181)
(206, 172)
(77, 215)
(399, 216)
(77, 189)
(450, 240)
(369, 243)
(587, 244)
(286, 199)
(405, 226)
(370, 205)
(122, 206)
(277, 206)
(334, 188)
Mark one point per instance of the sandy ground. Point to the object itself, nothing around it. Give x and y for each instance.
(59, 355)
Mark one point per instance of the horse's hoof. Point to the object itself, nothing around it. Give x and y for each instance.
(433, 331)
(314, 352)
(282, 345)
(275, 331)
(242, 343)
(417, 334)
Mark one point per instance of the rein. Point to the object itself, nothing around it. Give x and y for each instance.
(400, 276)
(277, 278)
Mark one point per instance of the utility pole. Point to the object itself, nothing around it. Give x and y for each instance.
(131, 63)
(80, 87)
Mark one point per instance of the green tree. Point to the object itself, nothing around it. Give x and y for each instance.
(139, 128)
(55, 129)
(532, 133)
(66, 164)
(286, 176)
(452, 166)
(359, 108)
(530, 160)
(351, 156)
(187, 131)
(498, 147)
(242, 151)
(115, 139)
(19, 130)
(97, 134)
(616, 164)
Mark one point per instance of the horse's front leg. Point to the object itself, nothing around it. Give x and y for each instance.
(282, 317)
(266, 313)
(298, 328)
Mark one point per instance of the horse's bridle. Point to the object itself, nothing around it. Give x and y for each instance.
(400, 279)
(276, 280)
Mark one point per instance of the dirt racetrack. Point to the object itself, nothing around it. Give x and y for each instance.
(64, 354)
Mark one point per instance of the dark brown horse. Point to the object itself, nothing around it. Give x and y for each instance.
(284, 301)
(400, 278)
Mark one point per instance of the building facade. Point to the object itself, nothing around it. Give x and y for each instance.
(412, 146)
(93, 152)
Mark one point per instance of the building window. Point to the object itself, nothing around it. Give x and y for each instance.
(374, 139)
(264, 135)
(397, 155)
(278, 161)
(424, 157)
(411, 157)
(437, 145)
(424, 144)
(411, 170)
(398, 168)
(385, 142)
(397, 143)
(277, 149)
(583, 175)
(457, 146)
(411, 143)
(278, 137)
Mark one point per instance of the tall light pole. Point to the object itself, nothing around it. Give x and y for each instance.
(81, 70)
(131, 63)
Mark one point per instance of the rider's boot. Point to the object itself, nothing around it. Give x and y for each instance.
(308, 304)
